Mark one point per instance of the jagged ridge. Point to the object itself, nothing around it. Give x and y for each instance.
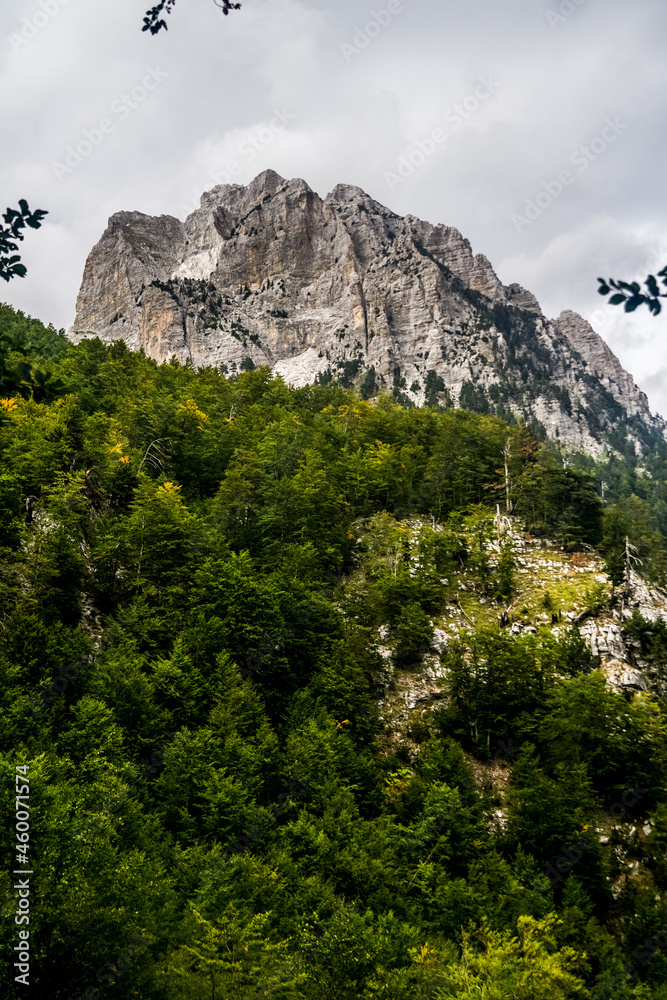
(344, 288)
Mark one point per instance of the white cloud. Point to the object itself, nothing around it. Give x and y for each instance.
(564, 276)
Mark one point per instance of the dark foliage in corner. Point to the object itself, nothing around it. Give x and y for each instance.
(630, 295)
(15, 222)
(154, 22)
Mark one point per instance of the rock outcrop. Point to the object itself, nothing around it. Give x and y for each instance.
(343, 288)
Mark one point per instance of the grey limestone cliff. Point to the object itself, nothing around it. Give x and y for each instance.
(343, 288)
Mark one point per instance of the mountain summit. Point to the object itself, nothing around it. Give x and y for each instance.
(342, 288)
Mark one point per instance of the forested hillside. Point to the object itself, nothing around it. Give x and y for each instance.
(198, 572)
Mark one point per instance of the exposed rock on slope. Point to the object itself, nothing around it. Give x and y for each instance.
(344, 288)
(542, 567)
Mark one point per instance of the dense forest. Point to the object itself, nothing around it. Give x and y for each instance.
(195, 571)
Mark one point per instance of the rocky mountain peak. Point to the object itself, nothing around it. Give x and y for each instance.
(348, 193)
(343, 288)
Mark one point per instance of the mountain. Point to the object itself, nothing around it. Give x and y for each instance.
(342, 288)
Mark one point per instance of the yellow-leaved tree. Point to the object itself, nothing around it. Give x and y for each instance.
(495, 965)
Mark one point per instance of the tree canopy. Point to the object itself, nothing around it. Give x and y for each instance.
(208, 581)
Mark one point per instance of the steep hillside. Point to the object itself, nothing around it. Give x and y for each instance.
(343, 289)
(552, 592)
(295, 722)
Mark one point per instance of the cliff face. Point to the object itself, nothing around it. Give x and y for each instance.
(341, 287)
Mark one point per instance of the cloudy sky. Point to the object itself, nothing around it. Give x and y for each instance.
(536, 127)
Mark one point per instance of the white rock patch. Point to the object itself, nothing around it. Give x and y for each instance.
(302, 369)
(200, 266)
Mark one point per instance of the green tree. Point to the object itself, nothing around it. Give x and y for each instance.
(368, 386)
(11, 508)
(623, 743)
(561, 503)
(412, 632)
(528, 966)
(163, 533)
(504, 587)
(494, 680)
(231, 956)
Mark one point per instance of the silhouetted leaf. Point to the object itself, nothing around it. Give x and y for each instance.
(652, 285)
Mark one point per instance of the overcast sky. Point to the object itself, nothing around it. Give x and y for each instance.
(519, 93)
